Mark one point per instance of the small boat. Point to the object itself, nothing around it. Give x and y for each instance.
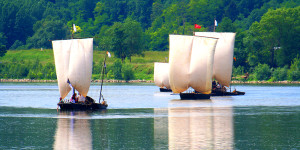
(165, 90)
(223, 62)
(191, 65)
(74, 63)
(161, 76)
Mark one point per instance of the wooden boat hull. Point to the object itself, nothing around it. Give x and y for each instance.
(194, 96)
(165, 90)
(219, 93)
(81, 106)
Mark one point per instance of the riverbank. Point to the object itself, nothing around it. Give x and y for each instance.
(144, 81)
(54, 81)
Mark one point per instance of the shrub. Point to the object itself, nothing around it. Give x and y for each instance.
(280, 74)
(262, 72)
(127, 72)
(117, 69)
(238, 70)
(294, 71)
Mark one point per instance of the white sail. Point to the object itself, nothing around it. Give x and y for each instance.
(61, 50)
(179, 60)
(161, 75)
(81, 65)
(223, 60)
(201, 66)
(191, 63)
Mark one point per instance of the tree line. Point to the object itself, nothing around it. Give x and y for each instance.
(267, 30)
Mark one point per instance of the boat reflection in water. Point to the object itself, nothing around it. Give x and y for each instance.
(202, 127)
(73, 131)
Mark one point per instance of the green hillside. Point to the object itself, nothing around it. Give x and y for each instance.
(266, 45)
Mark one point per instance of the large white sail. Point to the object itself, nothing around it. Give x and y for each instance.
(61, 50)
(179, 60)
(73, 61)
(201, 66)
(161, 75)
(191, 63)
(223, 59)
(81, 65)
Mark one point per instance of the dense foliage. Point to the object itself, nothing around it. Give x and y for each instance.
(267, 30)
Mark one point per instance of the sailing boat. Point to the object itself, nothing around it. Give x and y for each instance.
(223, 61)
(161, 76)
(191, 65)
(74, 62)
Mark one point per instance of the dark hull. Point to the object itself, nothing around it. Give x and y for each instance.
(165, 90)
(219, 93)
(194, 96)
(81, 106)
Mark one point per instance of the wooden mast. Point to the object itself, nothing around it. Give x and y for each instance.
(103, 71)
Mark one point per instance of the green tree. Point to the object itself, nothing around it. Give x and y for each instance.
(262, 72)
(3, 39)
(117, 69)
(294, 71)
(2, 50)
(226, 25)
(127, 72)
(124, 39)
(134, 38)
(278, 34)
(280, 74)
(46, 31)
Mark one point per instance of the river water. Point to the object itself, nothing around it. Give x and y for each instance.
(140, 117)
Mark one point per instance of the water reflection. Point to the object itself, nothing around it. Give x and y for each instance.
(207, 127)
(73, 131)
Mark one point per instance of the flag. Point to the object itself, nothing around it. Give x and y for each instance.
(108, 54)
(74, 28)
(234, 58)
(197, 26)
(216, 23)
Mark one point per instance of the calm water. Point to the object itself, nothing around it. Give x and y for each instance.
(140, 117)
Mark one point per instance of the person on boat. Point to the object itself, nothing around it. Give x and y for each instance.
(73, 98)
(214, 85)
(81, 98)
(61, 100)
(218, 85)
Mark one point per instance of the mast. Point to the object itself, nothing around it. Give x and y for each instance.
(103, 70)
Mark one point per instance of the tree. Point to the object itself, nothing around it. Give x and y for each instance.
(226, 25)
(124, 39)
(3, 39)
(46, 31)
(2, 50)
(277, 36)
(134, 38)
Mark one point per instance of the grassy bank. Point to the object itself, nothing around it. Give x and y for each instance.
(39, 64)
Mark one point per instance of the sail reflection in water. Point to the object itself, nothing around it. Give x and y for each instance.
(73, 131)
(206, 127)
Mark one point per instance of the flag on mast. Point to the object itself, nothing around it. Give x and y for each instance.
(216, 23)
(197, 26)
(74, 28)
(108, 54)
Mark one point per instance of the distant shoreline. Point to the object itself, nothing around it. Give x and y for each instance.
(142, 81)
